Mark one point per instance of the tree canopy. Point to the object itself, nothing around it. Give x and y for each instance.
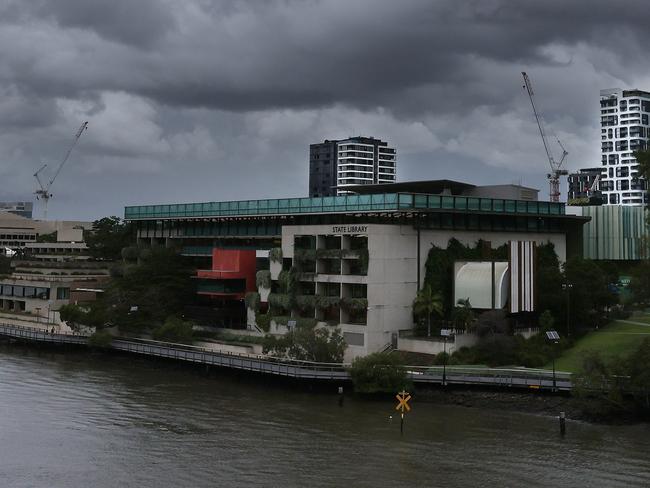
(107, 238)
(308, 344)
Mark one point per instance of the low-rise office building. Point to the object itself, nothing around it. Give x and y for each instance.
(357, 261)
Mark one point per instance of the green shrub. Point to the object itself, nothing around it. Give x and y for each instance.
(101, 339)
(323, 302)
(174, 330)
(354, 304)
(379, 372)
(279, 302)
(130, 253)
(307, 344)
(329, 253)
(252, 300)
(263, 321)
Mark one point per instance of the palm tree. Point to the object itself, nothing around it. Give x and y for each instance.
(427, 302)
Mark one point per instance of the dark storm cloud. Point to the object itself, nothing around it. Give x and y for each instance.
(255, 55)
(193, 97)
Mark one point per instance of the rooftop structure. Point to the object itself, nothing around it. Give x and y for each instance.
(335, 165)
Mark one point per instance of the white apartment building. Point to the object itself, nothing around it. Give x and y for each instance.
(625, 128)
(361, 162)
(337, 164)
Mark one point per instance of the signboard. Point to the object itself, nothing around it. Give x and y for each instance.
(349, 229)
(403, 399)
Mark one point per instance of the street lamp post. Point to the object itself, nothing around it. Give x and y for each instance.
(554, 338)
(444, 333)
(567, 287)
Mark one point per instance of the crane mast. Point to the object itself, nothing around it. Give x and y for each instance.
(44, 192)
(556, 171)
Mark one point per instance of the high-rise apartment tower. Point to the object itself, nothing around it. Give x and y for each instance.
(624, 128)
(333, 165)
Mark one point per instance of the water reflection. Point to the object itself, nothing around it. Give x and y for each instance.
(81, 420)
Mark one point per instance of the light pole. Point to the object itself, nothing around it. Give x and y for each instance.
(444, 333)
(554, 338)
(567, 287)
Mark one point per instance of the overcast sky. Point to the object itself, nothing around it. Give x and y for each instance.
(205, 100)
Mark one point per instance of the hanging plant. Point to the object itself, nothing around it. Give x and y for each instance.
(354, 304)
(323, 302)
(263, 279)
(252, 300)
(275, 255)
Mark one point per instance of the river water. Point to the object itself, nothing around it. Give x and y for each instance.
(94, 421)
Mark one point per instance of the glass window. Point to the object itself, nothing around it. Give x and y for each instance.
(62, 293)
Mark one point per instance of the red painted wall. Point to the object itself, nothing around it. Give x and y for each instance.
(232, 264)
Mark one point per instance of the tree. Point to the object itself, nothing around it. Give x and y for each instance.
(463, 314)
(426, 303)
(378, 372)
(546, 321)
(643, 159)
(145, 294)
(589, 295)
(640, 282)
(107, 238)
(5, 265)
(308, 344)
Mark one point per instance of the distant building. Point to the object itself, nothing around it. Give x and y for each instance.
(24, 209)
(334, 165)
(584, 187)
(625, 128)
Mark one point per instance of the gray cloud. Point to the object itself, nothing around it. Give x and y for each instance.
(211, 93)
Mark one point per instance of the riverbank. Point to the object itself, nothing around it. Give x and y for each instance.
(594, 410)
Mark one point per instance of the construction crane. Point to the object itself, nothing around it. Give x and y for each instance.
(556, 166)
(44, 192)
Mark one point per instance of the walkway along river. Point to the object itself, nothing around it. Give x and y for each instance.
(499, 377)
(70, 419)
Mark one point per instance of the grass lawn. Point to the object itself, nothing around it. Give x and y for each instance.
(614, 340)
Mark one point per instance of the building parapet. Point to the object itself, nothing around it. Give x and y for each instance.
(400, 202)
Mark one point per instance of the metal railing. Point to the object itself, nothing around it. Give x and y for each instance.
(453, 375)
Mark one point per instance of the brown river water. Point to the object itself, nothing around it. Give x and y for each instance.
(79, 420)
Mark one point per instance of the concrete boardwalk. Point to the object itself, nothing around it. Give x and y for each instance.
(495, 377)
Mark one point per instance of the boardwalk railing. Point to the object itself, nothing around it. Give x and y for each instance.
(501, 377)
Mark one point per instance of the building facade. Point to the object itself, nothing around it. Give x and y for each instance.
(335, 165)
(24, 209)
(584, 186)
(617, 233)
(354, 262)
(625, 128)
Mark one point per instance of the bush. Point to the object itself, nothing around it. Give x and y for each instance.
(307, 344)
(101, 339)
(130, 253)
(379, 372)
(174, 330)
(252, 300)
(263, 278)
(263, 321)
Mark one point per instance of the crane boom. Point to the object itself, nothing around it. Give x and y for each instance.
(556, 172)
(44, 192)
(540, 124)
(83, 127)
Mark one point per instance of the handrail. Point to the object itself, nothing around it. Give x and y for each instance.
(303, 369)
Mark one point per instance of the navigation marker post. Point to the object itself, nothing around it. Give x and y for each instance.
(403, 398)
